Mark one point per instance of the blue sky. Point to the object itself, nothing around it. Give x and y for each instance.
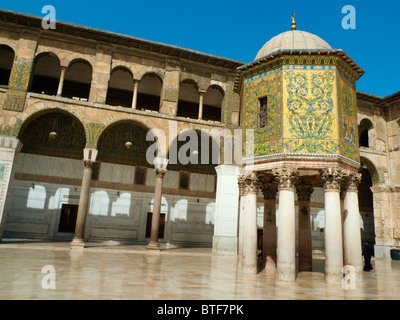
(237, 29)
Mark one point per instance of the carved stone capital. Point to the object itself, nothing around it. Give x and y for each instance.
(248, 183)
(89, 164)
(351, 181)
(160, 173)
(269, 189)
(286, 177)
(304, 191)
(332, 178)
(241, 184)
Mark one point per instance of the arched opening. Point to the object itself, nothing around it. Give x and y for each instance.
(366, 206)
(194, 151)
(56, 133)
(120, 88)
(6, 63)
(212, 104)
(46, 74)
(363, 129)
(78, 78)
(188, 101)
(124, 143)
(149, 92)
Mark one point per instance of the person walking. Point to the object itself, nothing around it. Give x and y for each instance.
(368, 253)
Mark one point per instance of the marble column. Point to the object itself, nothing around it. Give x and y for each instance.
(269, 190)
(201, 102)
(61, 82)
(351, 225)
(331, 177)
(9, 150)
(304, 192)
(241, 184)
(249, 252)
(155, 220)
(78, 242)
(286, 248)
(135, 93)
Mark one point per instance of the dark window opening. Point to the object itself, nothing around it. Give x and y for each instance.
(212, 105)
(263, 112)
(140, 176)
(149, 92)
(119, 97)
(120, 88)
(364, 139)
(188, 109)
(6, 63)
(188, 101)
(46, 74)
(184, 178)
(148, 102)
(78, 78)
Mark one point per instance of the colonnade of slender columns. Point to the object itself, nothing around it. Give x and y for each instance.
(342, 236)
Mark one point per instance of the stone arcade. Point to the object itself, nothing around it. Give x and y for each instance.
(76, 106)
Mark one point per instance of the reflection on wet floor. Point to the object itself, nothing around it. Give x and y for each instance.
(129, 272)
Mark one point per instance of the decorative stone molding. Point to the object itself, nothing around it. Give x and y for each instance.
(331, 178)
(304, 191)
(286, 177)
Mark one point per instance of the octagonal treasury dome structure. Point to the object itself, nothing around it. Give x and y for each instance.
(299, 98)
(293, 40)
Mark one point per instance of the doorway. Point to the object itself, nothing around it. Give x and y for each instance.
(161, 226)
(68, 216)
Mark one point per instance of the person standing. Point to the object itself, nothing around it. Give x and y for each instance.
(368, 253)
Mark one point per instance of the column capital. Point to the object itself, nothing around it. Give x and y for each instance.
(269, 189)
(286, 176)
(351, 181)
(332, 178)
(304, 191)
(160, 172)
(89, 163)
(248, 183)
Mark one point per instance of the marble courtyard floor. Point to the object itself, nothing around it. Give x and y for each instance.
(112, 271)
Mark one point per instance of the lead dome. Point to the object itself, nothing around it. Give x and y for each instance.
(293, 40)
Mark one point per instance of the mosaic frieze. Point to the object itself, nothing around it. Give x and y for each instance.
(18, 85)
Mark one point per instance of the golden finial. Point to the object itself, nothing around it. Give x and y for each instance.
(293, 22)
